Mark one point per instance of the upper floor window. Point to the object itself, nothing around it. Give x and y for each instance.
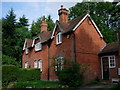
(59, 64)
(26, 50)
(38, 46)
(112, 61)
(40, 65)
(26, 65)
(59, 38)
(35, 64)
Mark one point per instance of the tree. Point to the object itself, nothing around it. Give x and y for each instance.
(100, 12)
(8, 31)
(35, 27)
(22, 21)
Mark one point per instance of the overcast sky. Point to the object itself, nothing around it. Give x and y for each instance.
(34, 10)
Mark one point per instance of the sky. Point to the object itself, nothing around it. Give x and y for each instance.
(33, 9)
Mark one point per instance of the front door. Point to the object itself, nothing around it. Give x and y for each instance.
(105, 65)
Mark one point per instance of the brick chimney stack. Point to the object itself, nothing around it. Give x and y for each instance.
(44, 26)
(63, 14)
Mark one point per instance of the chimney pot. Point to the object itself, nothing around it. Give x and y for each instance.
(63, 14)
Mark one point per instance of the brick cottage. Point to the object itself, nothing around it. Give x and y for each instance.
(79, 40)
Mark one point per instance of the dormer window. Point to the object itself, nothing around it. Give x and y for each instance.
(38, 46)
(58, 38)
(26, 50)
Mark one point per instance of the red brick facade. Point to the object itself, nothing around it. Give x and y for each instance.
(82, 45)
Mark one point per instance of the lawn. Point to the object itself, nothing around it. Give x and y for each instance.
(36, 84)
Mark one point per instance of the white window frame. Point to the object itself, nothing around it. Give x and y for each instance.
(27, 64)
(40, 65)
(58, 63)
(26, 50)
(38, 46)
(36, 64)
(113, 62)
(59, 38)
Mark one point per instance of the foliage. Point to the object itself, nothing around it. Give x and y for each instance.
(101, 12)
(71, 76)
(9, 74)
(35, 28)
(14, 34)
(93, 82)
(6, 60)
(115, 87)
(36, 84)
(22, 22)
(28, 75)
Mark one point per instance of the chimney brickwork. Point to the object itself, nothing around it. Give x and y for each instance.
(44, 26)
(63, 14)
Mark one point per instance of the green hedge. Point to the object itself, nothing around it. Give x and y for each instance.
(11, 73)
(28, 74)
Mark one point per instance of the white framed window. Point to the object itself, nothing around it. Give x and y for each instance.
(59, 64)
(26, 50)
(40, 65)
(38, 46)
(111, 61)
(36, 64)
(59, 38)
(26, 64)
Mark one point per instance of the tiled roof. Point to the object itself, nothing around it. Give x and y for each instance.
(45, 36)
(28, 43)
(67, 27)
(110, 48)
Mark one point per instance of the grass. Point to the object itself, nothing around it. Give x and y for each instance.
(36, 84)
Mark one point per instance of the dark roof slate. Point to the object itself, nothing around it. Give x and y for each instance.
(110, 48)
(28, 43)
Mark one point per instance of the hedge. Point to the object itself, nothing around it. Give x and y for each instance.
(28, 74)
(11, 73)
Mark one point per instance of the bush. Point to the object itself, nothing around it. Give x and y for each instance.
(115, 87)
(28, 74)
(7, 60)
(71, 76)
(9, 74)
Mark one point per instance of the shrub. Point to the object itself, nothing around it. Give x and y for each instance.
(71, 76)
(115, 87)
(7, 60)
(28, 74)
(9, 74)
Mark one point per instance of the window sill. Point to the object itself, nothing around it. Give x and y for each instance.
(58, 43)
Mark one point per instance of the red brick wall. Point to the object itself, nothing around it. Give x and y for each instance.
(65, 50)
(88, 44)
(39, 55)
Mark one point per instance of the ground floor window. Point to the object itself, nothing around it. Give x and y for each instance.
(35, 64)
(111, 61)
(59, 64)
(40, 65)
(26, 65)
